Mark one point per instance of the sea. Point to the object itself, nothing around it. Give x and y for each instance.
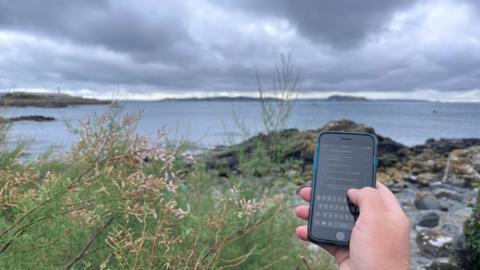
(208, 123)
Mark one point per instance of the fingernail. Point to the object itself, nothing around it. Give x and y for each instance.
(351, 191)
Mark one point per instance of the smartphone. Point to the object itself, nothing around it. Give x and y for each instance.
(342, 161)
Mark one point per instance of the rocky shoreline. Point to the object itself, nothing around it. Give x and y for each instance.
(434, 182)
(35, 118)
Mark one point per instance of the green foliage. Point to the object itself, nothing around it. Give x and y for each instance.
(472, 237)
(124, 201)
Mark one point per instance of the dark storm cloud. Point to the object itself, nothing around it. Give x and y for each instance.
(146, 31)
(341, 23)
(214, 45)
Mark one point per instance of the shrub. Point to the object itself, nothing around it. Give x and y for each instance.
(124, 201)
(472, 237)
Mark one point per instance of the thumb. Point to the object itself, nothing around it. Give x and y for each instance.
(367, 199)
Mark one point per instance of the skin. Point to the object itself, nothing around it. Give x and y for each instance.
(380, 237)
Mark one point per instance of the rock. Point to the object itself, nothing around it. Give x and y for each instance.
(434, 243)
(429, 220)
(392, 178)
(447, 193)
(397, 187)
(348, 126)
(447, 265)
(385, 178)
(443, 206)
(412, 179)
(464, 167)
(426, 200)
(428, 162)
(424, 179)
(300, 145)
(36, 118)
(463, 213)
(445, 146)
(389, 152)
(452, 229)
(222, 160)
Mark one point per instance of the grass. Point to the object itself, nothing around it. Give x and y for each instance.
(120, 200)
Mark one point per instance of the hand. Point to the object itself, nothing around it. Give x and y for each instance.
(380, 237)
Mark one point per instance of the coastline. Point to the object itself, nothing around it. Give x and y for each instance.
(434, 182)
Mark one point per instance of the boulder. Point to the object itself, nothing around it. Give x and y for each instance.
(447, 193)
(434, 243)
(222, 158)
(347, 126)
(389, 152)
(429, 220)
(300, 145)
(464, 167)
(426, 200)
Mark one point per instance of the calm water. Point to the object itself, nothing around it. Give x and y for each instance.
(212, 122)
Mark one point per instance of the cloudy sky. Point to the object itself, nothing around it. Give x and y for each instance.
(153, 49)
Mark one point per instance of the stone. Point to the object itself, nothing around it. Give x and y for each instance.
(434, 243)
(426, 200)
(464, 167)
(428, 163)
(397, 187)
(427, 179)
(392, 176)
(452, 229)
(445, 146)
(221, 159)
(412, 179)
(444, 206)
(448, 265)
(429, 220)
(385, 178)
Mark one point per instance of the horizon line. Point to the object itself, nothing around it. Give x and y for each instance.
(470, 96)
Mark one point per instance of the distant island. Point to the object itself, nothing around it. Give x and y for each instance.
(345, 98)
(332, 98)
(245, 98)
(23, 99)
(221, 98)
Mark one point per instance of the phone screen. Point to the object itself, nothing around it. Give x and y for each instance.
(344, 160)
